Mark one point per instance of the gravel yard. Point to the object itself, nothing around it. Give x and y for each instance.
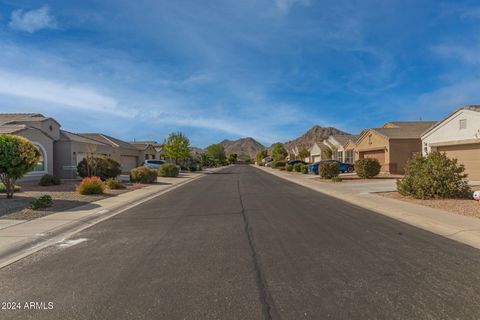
(465, 207)
(64, 197)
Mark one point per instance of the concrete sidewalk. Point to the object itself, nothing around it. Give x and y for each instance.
(362, 193)
(22, 239)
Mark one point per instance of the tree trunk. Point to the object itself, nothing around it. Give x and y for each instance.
(10, 187)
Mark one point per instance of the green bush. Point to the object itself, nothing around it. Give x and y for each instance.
(114, 183)
(192, 168)
(367, 168)
(328, 170)
(278, 164)
(49, 180)
(42, 202)
(305, 169)
(18, 156)
(289, 168)
(91, 185)
(168, 170)
(3, 189)
(143, 175)
(434, 176)
(281, 168)
(297, 167)
(337, 179)
(103, 167)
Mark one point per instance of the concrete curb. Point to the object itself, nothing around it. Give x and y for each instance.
(90, 217)
(456, 227)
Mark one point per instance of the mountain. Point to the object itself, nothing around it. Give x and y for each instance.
(245, 148)
(315, 134)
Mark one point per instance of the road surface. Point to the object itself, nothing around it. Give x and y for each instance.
(243, 244)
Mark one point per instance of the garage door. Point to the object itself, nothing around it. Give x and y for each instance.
(468, 155)
(128, 163)
(375, 154)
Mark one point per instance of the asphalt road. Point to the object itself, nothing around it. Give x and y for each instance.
(243, 244)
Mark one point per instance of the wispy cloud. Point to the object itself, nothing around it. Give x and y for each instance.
(33, 20)
(284, 5)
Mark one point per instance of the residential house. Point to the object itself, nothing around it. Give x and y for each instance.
(393, 144)
(337, 144)
(317, 152)
(40, 130)
(123, 152)
(147, 150)
(458, 135)
(70, 149)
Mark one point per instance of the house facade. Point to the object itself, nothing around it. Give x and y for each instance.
(458, 135)
(392, 145)
(337, 144)
(317, 152)
(40, 130)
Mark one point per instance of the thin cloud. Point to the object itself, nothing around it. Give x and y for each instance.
(284, 5)
(33, 20)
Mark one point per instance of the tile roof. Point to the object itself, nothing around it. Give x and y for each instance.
(343, 139)
(22, 117)
(70, 136)
(11, 128)
(405, 130)
(105, 139)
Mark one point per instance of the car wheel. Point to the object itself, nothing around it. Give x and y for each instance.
(350, 169)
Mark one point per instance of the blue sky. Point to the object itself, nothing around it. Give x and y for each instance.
(270, 69)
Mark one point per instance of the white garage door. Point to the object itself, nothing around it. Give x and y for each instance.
(128, 163)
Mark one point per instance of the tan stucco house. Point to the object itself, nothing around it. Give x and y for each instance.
(338, 143)
(393, 144)
(147, 150)
(40, 130)
(317, 152)
(123, 152)
(458, 135)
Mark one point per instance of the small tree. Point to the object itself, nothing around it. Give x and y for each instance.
(303, 153)
(327, 153)
(177, 147)
(278, 152)
(261, 155)
(232, 158)
(217, 153)
(434, 176)
(18, 156)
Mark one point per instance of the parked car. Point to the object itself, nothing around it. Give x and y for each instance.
(154, 164)
(267, 160)
(294, 162)
(269, 164)
(344, 167)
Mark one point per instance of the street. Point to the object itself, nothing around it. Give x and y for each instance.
(243, 244)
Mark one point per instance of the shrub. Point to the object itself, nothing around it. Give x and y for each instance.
(44, 201)
(289, 168)
(17, 157)
(49, 180)
(143, 175)
(367, 168)
(434, 176)
(192, 168)
(103, 167)
(305, 169)
(114, 183)
(91, 185)
(328, 170)
(3, 189)
(281, 168)
(297, 167)
(278, 164)
(337, 179)
(168, 170)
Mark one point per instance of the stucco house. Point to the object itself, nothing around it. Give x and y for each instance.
(393, 144)
(338, 143)
(123, 152)
(317, 152)
(72, 148)
(458, 135)
(147, 150)
(40, 130)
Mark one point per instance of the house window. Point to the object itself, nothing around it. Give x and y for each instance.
(370, 139)
(340, 155)
(41, 165)
(463, 124)
(349, 156)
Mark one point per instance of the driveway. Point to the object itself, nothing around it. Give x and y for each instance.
(243, 244)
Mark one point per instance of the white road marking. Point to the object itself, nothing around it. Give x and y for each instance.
(103, 211)
(69, 243)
